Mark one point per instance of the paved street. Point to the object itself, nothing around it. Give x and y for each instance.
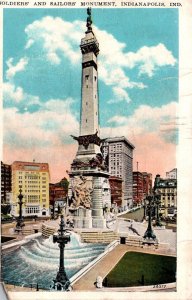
(163, 235)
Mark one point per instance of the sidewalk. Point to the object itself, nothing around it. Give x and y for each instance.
(105, 266)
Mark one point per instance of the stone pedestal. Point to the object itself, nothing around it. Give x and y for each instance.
(82, 218)
(98, 220)
(93, 217)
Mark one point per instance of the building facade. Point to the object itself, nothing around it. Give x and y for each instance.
(118, 153)
(142, 186)
(147, 183)
(5, 183)
(138, 192)
(172, 174)
(58, 194)
(33, 179)
(116, 190)
(57, 197)
(167, 189)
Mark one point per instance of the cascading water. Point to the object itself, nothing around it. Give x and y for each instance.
(38, 261)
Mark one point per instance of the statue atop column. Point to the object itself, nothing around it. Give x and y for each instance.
(89, 20)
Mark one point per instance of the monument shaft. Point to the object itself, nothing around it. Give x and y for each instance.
(88, 171)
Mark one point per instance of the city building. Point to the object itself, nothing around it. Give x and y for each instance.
(138, 193)
(116, 190)
(147, 183)
(172, 174)
(118, 154)
(58, 194)
(5, 183)
(167, 189)
(142, 186)
(33, 179)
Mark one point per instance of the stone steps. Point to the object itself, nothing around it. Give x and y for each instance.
(134, 241)
(98, 237)
(47, 231)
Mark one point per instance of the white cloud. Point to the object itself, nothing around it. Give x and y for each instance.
(57, 38)
(60, 38)
(150, 58)
(11, 93)
(51, 125)
(119, 95)
(14, 69)
(118, 120)
(146, 119)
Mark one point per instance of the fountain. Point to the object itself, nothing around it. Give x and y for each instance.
(37, 261)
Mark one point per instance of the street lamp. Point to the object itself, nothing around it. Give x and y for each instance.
(157, 203)
(20, 222)
(149, 234)
(61, 283)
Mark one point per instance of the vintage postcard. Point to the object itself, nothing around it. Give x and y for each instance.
(96, 149)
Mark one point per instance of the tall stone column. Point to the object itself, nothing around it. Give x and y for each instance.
(98, 220)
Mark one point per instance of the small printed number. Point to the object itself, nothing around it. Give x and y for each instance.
(159, 286)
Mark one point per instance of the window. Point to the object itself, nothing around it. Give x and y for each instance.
(32, 210)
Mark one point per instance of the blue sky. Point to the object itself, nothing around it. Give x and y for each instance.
(138, 77)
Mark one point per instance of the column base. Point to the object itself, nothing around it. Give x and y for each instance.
(82, 222)
(98, 223)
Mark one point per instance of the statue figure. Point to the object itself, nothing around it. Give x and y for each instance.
(89, 20)
(98, 161)
(81, 193)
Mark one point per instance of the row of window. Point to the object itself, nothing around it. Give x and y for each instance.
(33, 197)
(32, 210)
(163, 198)
(32, 191)
(32, 201)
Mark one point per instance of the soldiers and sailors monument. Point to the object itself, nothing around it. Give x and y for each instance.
(89, 189)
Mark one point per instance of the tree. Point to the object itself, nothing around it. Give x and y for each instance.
(5, 209)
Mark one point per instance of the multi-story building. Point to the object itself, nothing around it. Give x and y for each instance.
(147, 183)
(5, 183)
(142, 186)
(57, 196)
(116, 190)
(138, 194)
(58, 193)
(167, 189)
(33, 179)
(118, 153)
(172, 174)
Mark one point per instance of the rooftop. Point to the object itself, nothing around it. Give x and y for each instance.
(119, 139)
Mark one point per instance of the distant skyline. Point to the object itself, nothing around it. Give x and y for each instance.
(138, 84)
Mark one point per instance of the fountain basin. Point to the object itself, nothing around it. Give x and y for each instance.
(38, 261)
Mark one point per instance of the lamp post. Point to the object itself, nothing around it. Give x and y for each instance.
(158, 202)
(20, 222)
(149, 234)
(145, 209)
(61, 283)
